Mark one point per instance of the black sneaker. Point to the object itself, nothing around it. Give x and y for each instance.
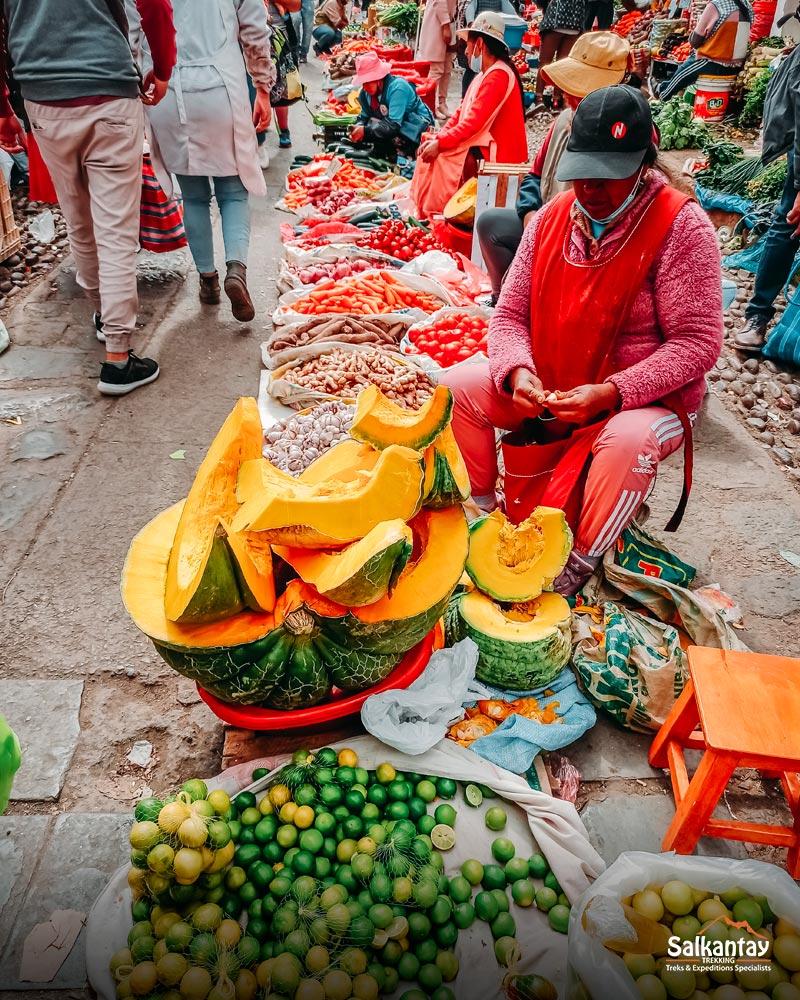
(98, 328)
(115, 381)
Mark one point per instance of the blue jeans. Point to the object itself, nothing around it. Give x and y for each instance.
(326, 37)
(306, 27)
(778, 254)
(234, 208)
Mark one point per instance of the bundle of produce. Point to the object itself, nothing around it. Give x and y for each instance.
(729, 171)
(624, 25)
(402, 17)
(369, 544)
(404, 242)
(755, 92)
(334, 329)
(681, 52)
(678, 127)
(674, 41)
(368, 294)
(293, 443)
(336, 889)
(639, 33)
(319, 193)
(342, 65)
(341, 371)
(768, 185)
(295, 276)
(522, 629)
(330, 116)
(452, 335)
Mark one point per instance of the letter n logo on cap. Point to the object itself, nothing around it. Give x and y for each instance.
(618, 130)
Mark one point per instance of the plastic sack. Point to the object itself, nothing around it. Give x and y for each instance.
(599, 974)
(298, 396)
(536, 821)
(415, 719)
(432, 263)
(709, 199)
(43, 227)
(276, 356)
(747, 259)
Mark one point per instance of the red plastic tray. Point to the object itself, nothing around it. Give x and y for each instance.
(256, 718)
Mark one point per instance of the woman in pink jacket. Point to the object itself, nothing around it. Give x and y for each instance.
(603, 333)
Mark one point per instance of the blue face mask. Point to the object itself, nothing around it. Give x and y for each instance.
(476, 64)
(599, 225)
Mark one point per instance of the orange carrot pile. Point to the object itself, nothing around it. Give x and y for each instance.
(365, 295)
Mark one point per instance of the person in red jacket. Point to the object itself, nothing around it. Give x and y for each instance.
(489, 124)
(73, 63)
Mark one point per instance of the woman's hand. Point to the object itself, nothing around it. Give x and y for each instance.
(527, 392)
(581, 404)
(12, 135)
(357, 133)
(447, 35)
(429, 150)
(262, 111)
(152, 89)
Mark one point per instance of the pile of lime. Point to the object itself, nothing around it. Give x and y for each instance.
(335, 889)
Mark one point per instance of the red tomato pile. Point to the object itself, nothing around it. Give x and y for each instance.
(452, 338)
(404, 242)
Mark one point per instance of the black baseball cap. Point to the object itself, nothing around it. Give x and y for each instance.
(612, 129)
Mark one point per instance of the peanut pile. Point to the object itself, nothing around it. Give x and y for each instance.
(294, 443)
(341, 373)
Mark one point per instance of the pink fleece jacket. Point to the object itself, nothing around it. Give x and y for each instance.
(673, 334)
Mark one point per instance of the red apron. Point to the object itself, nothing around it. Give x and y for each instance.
(577, 311)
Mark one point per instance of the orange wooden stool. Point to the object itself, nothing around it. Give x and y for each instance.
(748, 708)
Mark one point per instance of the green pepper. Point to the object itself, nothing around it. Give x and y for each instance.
(10, 757)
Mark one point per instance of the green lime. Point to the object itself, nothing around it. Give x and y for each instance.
(496, 818)
(460, 889)
(326, 756)
(260, 772)
(516, 869)
(426, 823)
(248, 948)
(486, 906)
(272, 853)
(425, 893)
(303, 863)
(246, 854)
(323, 776)
(502, 900)
(265, 830)
(408, 967)
(355, 802)
(287, 836)
(426, 790)
(353, 828)
(259, 929)
(362, 776)
(311, 841)
(559, 918)
(306, 795)
(444, 838)
(345, 776)
(419, 926)
(447, 963)
(503, 925)
(259, 874)
(147, 810)
(430, 978)
(279, 886)
(244, 800)
(391, 953)
(446, 935)
(441, 911)
(749, 910)
(443, 993)
(493, 877)
(523, 892)
(538, 866)
(426, 951)
(506, 949)
(370, 812)
(250, 816)
(552, 883)
(503, 850)
(464, 915)
(397, 810)
(377, 795)
(446, 788)
(417, 808)
(235, 826)
(546, 899)
(397, 791)
(331, 795)
(445, 814)
(473, 795)
(472, 871)
(363, 866)
(391, 980)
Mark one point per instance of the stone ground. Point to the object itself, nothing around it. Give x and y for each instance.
(80, 475)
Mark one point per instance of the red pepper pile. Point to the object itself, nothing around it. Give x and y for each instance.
(452, 338)
(404, 242)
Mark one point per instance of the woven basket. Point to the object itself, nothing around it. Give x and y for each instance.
(11, 241)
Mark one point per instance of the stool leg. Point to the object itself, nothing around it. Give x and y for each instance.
(694, 811)
(678, 726)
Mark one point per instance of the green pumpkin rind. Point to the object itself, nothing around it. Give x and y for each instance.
(305, 680)
(375, 578)
(356, 670)
(388, 636)
(444, 491)
(218, 594)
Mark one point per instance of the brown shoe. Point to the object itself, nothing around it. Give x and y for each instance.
(236, 289)
(209, 289)
(750, 339)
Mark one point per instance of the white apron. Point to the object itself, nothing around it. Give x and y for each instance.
(203, 126)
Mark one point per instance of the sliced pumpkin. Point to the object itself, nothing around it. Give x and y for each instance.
(381, 422)
(461, 207)
(446, 476)
(362, 572)
(344, 461)
(403, 618)
(517, 562)
(202, 583)
(521, 646)
(332, 513)
(252, 561)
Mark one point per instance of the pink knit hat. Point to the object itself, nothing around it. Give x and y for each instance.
(370, 67)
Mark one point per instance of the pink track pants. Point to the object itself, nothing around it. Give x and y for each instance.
(624, 462)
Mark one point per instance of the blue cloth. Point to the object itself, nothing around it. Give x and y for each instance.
(234, 208)
(709, 199)
(399, 102)
(515, 743)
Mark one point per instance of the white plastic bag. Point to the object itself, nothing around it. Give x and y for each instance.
(415, 719)
(597, 973)
(43, 227)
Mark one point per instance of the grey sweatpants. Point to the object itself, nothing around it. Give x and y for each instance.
(499, 234)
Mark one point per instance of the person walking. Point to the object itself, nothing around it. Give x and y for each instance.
(436, 46)
(202, 132)
(781, 135)
(284, 48)
(304, 25)
(84, 100)
(561, 26)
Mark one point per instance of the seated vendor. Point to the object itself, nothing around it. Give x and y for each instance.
(489, 124)
(610, 351)
(599, 59)
(720, 42)
(329, 22)
(393, 116)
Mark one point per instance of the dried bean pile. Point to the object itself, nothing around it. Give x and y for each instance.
(341, 373)
(348, 329)
(294, 443)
